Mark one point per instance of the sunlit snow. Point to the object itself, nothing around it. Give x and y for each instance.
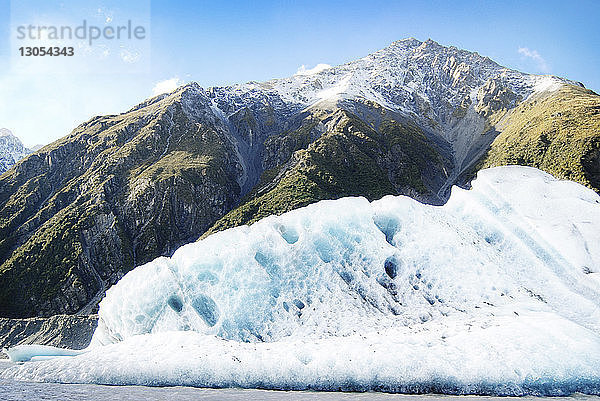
(495, 292)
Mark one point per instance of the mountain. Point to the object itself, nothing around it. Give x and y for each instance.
(11, 150)
(413, 119)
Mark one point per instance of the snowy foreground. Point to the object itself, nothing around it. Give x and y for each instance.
(497, 292)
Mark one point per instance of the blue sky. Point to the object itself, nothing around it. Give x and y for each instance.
(217, 43)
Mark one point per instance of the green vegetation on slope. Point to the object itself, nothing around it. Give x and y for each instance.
(558, 133)
(352, 159)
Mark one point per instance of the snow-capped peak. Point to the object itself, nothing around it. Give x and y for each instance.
(418, 78)
(449, 92)
(11, 149)
(5, 132)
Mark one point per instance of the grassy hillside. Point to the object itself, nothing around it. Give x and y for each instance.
(558, 133)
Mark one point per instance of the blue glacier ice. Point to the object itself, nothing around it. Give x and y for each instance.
(29, 352)
(496, 292)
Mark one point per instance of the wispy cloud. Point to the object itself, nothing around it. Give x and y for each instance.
(536, 57)
(318, 68)
(168, 85)
(130, 56)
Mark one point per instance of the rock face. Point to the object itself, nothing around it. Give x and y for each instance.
(11, 150)
(350, 158)
(65, 331)
(121, 190)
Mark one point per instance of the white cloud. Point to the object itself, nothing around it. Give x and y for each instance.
(168, 85)
(535, 56)
(130, 56)
(318, 68)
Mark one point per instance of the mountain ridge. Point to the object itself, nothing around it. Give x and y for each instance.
(304, 92)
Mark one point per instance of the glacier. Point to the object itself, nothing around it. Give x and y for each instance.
(496, 292)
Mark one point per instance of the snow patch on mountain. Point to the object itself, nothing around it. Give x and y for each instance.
(334, 92)
(547, 83)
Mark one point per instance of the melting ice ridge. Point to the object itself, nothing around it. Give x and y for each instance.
(496, 292)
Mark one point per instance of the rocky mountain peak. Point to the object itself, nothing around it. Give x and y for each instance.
(5, 132)
(11, 149)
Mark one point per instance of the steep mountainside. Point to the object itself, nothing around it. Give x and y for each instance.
(11, 150)
(351, 158)
(413, 119)
(117, 192)
(558, 133)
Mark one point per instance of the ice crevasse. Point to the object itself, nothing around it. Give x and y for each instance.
(496, 292)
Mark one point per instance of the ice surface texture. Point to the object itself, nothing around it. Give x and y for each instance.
(497, 292)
